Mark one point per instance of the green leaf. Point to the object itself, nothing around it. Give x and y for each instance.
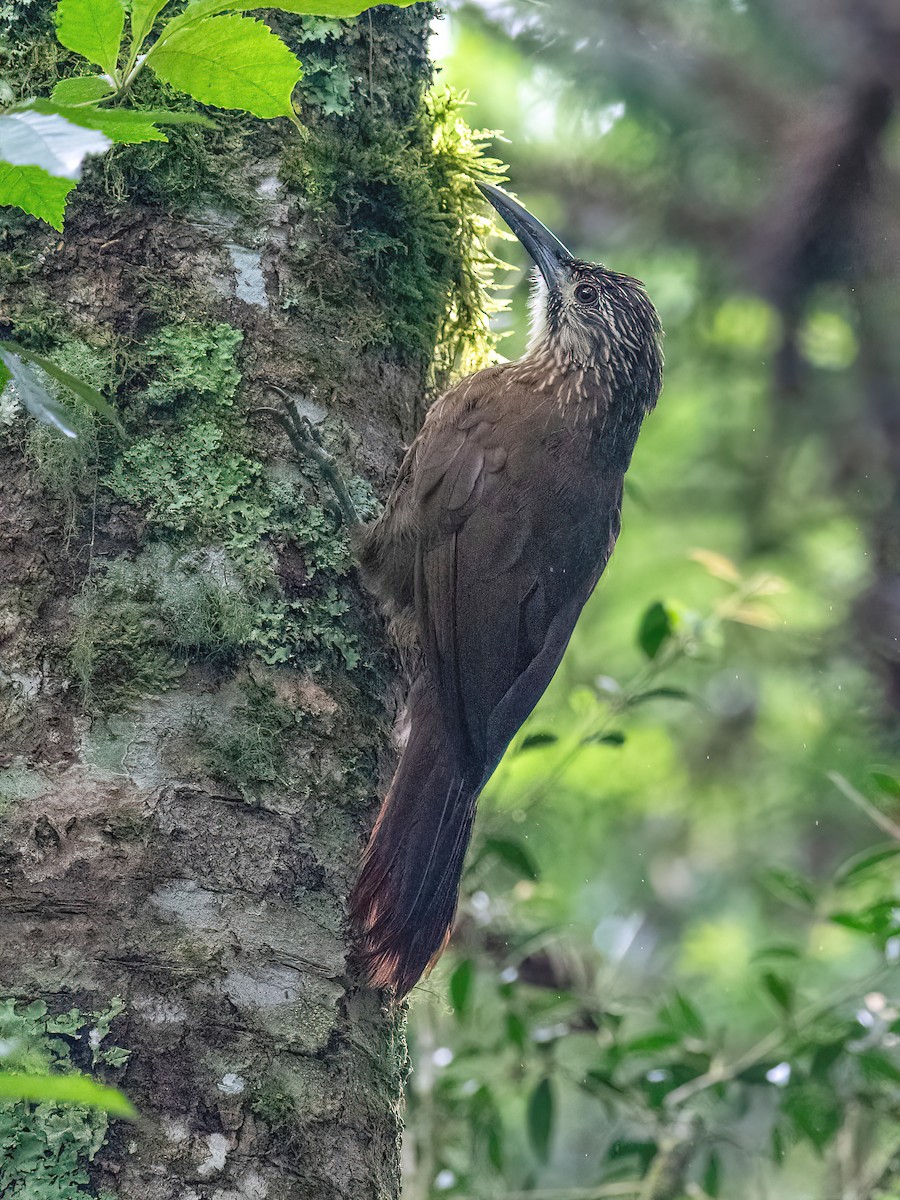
(780, 990)
(65, 1089)
(124, 126)
(814, 1111)
(878, 1067)
(540, 1119)
(780, 951)
(34, 137)
(534, 740)
(614, 738)
(332, 8)
(516, 1030)
(886, 783)
(92, 28)
(514, 855)
(788, 885)
(654, 630)
(81, 89)
(461, 982)
(230, 61)
(681, 1014)
(83, 391)
(712, 1175)
(342, 9)
(143, 16)
(651, 1043)
(862, 864)
(878, 919)
(34, 397)
(667, 693)
(36, 192)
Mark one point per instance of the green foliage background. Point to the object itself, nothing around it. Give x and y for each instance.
(674, 972)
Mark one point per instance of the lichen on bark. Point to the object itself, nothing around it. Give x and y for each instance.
(194, 693)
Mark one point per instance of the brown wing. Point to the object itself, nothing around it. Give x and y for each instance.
(510, 546)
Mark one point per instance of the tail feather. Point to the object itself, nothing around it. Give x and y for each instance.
(405, 899)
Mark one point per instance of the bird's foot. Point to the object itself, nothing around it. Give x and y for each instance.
(307, 442)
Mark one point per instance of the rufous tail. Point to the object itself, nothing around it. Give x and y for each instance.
(405, 899)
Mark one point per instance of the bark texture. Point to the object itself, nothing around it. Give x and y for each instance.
(192, 688)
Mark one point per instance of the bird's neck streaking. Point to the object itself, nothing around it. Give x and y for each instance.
(588, 388)
(572, 379)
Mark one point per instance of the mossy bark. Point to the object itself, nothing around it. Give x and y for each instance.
(194, 693)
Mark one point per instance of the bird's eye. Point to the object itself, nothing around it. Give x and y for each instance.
(586, 293)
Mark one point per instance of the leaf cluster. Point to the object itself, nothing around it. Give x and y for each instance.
(208, 50)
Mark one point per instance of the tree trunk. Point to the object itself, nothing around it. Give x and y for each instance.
(194, 693)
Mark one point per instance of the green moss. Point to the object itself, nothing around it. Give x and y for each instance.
(120, 648)
(139, 621)
(251, 752)
(404, 262)
(45, 1148)
(273, 1105)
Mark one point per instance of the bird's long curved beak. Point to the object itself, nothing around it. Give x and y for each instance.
(545, 248)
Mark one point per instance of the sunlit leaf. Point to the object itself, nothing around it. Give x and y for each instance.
(655, 629)
(30, 137)
(717, 565)
(143, 16)
(81, 89)
(65, 1089)
(92, 28)
(107, 125)
(83, 391)
(34, 397)
(232, 62)
(540, 1119)
(35, 191)
(341, 9)
(761, 616)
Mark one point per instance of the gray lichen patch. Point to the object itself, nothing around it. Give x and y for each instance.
(18, 783)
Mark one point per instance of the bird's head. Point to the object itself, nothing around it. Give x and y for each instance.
(584, 316)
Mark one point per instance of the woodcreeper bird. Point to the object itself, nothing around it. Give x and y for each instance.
(502, 518)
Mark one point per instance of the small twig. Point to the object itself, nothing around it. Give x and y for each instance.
(665, 1179)
(875, 815)
(723, 1072)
